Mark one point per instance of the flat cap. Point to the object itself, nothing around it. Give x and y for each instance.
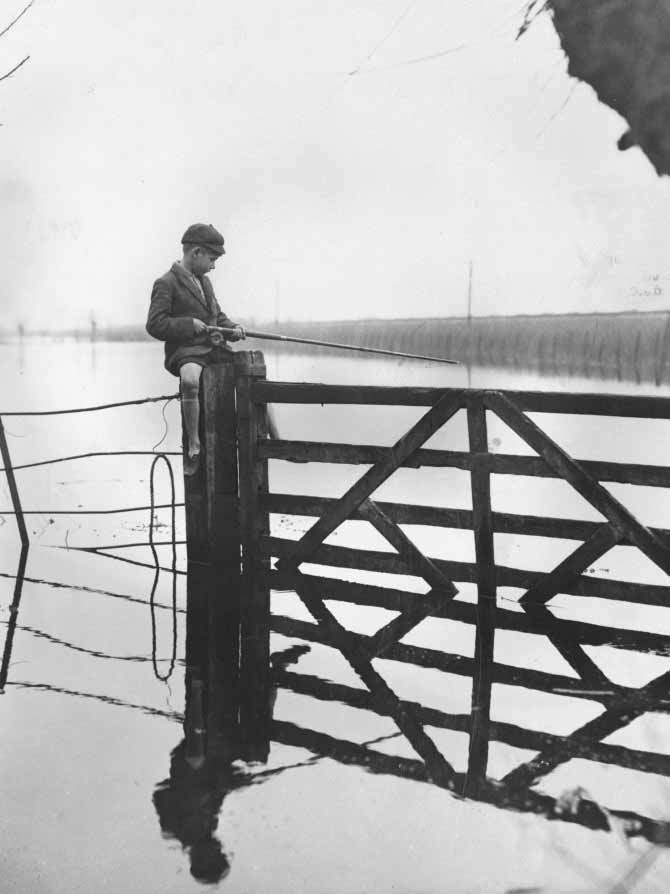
(205, 235)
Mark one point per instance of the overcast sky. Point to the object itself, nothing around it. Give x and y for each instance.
(356, 155)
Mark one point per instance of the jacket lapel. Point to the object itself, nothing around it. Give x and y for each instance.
(188, 283)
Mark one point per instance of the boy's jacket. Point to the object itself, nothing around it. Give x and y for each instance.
(175, 301)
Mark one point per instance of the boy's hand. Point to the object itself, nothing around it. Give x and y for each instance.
(199, 327)
(238, 333)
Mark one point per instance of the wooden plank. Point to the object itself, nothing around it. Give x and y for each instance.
(431, 422)
(507, 733)
(506, 674)
(621, 405)
(297, 504)
(499, 463)
(367, 560)
(219, 471)
(416, 562)
(622, 473)
(255, 704)
(596, 587)
(572, 567)
(310, 393)
(222, 650)
(439, 770)
(371, 560)
(537, 624)
(435, 516)
(220, 462)
(480, 485)
(200, 671)
(207, 489)
(13, 489)
(621, 519)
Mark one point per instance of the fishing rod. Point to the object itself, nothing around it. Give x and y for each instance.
(218, 334)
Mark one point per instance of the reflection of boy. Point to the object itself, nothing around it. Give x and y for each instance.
(183, 305)
(204, 767)
(188, 806)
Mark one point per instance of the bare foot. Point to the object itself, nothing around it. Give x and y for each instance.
(192, 460)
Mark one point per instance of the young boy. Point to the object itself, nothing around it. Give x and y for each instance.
(183, 305)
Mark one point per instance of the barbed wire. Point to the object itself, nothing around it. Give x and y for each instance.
(63, 459)
(122, 403)
(90, 511)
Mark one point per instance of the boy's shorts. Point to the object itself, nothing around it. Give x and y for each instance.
(217, 354)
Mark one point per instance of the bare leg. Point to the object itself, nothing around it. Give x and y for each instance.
(273, 429)
(189, 375)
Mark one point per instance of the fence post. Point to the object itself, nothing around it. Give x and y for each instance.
(13, 489)
(213, 541)
(252, 426)
(13, 618)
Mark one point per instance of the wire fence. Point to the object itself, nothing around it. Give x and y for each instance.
(9, 468)
(122, 403)
(20, 513)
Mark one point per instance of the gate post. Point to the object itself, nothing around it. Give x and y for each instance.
(213, 545)
(252, 426)
(212, 530)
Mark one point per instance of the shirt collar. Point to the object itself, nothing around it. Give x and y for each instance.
(181, 266)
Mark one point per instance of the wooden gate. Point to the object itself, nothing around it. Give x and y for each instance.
(619, 527)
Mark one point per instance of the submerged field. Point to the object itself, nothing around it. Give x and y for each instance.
(93, 744)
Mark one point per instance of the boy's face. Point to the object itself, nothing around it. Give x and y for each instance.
(202, 261)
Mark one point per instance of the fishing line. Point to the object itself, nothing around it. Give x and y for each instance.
(159, 676)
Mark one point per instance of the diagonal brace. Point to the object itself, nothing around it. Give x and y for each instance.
(620, 713)
(417, 563)
(415, 560)
(601, 499)
(440, 771)
(572, 567)
(390, 634)
(446, 407)
(571, 651)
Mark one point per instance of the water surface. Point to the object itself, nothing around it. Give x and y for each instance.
(98, 792)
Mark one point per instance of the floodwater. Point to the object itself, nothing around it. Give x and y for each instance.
(102, 787)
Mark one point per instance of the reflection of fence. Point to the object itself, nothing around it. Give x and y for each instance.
(20, 513)
(514, 797)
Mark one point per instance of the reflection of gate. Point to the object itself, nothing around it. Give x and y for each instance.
(620, 704)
